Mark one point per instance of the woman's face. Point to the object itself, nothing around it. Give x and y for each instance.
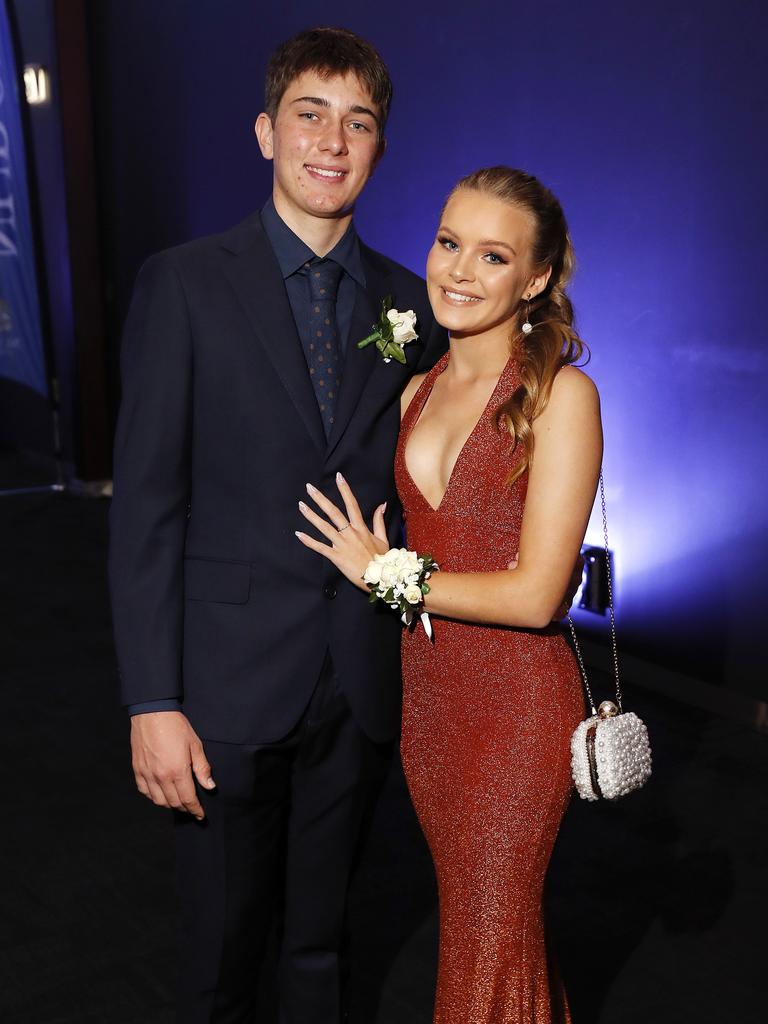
(479, 266)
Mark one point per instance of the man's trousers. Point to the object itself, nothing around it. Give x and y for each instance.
(284, 814)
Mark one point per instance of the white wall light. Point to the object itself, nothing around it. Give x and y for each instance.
(36, 84)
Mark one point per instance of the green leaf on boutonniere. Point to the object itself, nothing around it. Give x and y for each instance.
(394, 351)
(382, 330)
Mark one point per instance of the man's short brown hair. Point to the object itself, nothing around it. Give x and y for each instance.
(328, 51)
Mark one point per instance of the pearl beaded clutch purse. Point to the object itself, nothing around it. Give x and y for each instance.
(610, 751)
(610, 754)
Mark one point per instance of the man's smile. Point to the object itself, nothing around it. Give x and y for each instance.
(326, 173)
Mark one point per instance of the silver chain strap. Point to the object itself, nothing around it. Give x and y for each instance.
(614, 645)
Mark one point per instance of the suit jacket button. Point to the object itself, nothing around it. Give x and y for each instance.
(329, 591)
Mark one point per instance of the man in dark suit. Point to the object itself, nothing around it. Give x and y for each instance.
(243, 657)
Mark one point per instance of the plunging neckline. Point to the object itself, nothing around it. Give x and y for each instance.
(424, 399)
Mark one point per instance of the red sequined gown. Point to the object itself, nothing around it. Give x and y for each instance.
(487, 720)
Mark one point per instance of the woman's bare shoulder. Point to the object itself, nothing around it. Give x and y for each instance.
(573, 385)
(574, 402)
(410, 390)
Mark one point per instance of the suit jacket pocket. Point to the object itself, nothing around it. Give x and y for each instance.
(227, 582)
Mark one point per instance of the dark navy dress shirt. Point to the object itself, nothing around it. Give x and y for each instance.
(293, 255)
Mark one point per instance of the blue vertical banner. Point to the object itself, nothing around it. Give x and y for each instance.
(21, 339)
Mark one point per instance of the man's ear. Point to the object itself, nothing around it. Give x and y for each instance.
(379, 153)
(264, 132)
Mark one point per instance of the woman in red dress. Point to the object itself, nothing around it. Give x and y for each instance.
(497, 466)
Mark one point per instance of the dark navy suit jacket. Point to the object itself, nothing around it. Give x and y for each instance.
(213, 596)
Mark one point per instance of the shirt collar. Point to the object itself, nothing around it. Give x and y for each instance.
(292, 253)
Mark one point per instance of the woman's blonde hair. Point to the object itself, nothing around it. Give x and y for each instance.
(553, 342)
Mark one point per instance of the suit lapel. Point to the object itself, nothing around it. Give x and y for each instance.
(255, 276)
(359, 364)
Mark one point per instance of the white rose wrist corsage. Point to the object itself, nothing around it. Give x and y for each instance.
(392, 332)
(399, 578)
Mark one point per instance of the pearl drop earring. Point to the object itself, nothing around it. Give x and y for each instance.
(527, 325)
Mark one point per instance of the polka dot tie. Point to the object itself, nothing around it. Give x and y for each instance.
(324, 356)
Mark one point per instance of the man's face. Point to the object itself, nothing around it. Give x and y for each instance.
(324, 142)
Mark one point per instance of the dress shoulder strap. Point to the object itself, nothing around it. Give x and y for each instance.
(421, 394)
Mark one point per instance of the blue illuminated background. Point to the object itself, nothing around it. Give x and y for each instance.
(648, 121)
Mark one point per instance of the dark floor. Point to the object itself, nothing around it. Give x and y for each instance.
(658, 904)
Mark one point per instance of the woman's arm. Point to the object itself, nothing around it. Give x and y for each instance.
(561, 490)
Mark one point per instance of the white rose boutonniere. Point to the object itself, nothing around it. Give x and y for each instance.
(402, 326)
(393, 332)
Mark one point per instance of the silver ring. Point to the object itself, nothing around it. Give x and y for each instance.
(345, 528)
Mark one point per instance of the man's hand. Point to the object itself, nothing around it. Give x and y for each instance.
(165, 752)
(573, 585)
